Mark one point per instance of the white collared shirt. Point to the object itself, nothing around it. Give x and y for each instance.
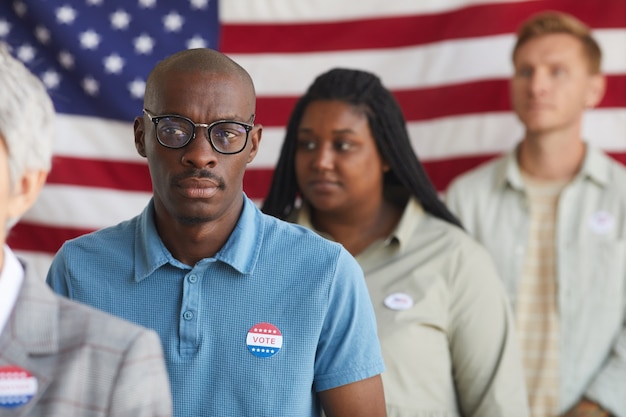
(11, 278)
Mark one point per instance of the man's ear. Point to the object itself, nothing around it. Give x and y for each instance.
(255, 138)
(597, 87)
(25, 191)
(140, 136)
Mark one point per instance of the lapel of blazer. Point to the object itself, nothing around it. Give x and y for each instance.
(30, 339)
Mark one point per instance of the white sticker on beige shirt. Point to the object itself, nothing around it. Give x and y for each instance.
(602, 222)
(398, 301)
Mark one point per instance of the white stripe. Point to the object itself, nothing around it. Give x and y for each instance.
(612, 43)
(290, 11)
(92, 137)
(82, 207)
(399, 68)
(499, 132)
(606, 128)
(489, 133)
(434, 139)
(436, 64)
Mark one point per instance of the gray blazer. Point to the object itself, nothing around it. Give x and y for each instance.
(87, 363)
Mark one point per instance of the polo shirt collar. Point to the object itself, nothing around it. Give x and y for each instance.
(243, 247)
(241, 250)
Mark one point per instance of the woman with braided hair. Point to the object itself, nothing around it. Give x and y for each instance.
(348, 171)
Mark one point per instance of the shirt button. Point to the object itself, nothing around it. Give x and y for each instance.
(193, 278)
(187, 315)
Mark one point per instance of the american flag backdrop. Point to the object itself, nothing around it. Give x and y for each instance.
(447, 62)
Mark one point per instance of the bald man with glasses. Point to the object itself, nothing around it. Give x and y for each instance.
(257, 317)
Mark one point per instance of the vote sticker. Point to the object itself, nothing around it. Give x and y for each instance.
(264, 340)
(17, 386)
(398, 301)
(602, 222)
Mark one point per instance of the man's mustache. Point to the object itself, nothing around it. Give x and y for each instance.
(200, 173)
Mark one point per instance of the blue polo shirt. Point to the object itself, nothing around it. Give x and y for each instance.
(277, 315)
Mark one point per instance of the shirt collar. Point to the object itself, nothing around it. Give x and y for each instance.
(240, 251)
(11, 278)
(411, 217)
(243, 247)
(595, 166)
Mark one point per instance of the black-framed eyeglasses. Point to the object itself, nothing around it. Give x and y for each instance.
(226, 136)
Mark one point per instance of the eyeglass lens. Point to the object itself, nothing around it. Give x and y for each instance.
(226, 137)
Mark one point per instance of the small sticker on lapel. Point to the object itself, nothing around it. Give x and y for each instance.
(17, 386)
(264, 340)
(399, 301)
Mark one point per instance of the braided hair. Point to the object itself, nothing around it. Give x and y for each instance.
(388, 126)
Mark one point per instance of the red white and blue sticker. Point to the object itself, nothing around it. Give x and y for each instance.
(602, 222)
(398, 301)
(17, 386)
(264, 340)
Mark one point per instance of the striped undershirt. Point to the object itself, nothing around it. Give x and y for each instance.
(536, 307)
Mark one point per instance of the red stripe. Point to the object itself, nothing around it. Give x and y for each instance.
(117, 175)
(615, 95)
(43, 238)
(442, 172)
(256, 182)
(444, 101)
(131, 177)
(402, 31)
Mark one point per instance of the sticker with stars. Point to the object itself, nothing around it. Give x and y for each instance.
(17, 386)
(264, 340)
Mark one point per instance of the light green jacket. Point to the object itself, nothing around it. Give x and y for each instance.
(491, 203)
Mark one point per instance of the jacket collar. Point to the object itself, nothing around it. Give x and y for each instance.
(595, 167)
(31, 335)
